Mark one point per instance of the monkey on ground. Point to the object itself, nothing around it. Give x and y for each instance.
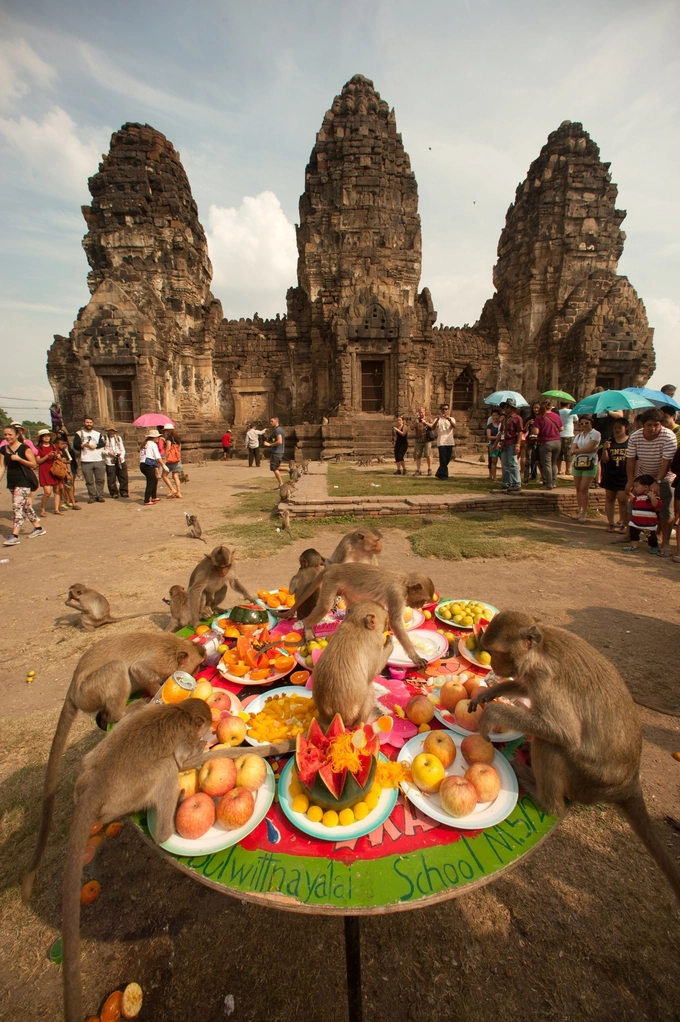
(135, 767)
(304, 466)
(194, 526)
(311, 565)
(285, 518)
(183, 477)
(294, 472)
(209, 582)
(286, 490)
(342, 680)
(104, 679)
(362, 545)
(180, 615)
(587, 740)
(359, 582)
(94, 608)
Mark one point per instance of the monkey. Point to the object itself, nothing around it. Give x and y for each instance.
(94, 608)
(339, 457)
(103, 681)
(294, 473)
(285, 517)
(180, 616)
(135, 767)
(311, 565)
(183, 477)
(363, 461)
(362, 545)
(209, 582)
(358, 582)
(380, 460)
(195, 530)
(342, 680)
(304, 466)
(286, 490)
(587, 740)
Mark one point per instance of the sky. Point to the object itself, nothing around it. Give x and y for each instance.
(241, 90)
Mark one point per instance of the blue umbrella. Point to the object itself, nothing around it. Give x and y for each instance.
(499, 396)
(657, 397)
(609, 401)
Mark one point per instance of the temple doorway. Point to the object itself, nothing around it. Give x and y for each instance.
(121, 399)
(372, 386)
(464, 390)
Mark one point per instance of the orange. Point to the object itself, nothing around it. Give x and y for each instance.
(202, 629)
(299, 678)
(239, 669)
(230, 657)
(174, 693)
(89, 855)
(284, 663)
(242, 646)
(263, 593)
(385, 723)
(289, 601)
(112, 1007)
(292, 638)
(95, 828)
(89, 892)
(231, 632)
(259, 675)
(273, 602)
(113, 829)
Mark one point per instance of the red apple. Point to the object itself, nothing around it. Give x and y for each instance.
(231, 730)
(458, 796)
(470, 721)
(217, 776)
(219, 699)
(451, 693)
(485, 781)
(476, 749)
(419, 710)
(235, 808)
(476, 689)
(195, 816)
(441, 745)
(251, 771)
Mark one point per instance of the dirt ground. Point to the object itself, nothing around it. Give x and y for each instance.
(587, 928)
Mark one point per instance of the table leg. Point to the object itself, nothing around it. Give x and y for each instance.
(353, 965)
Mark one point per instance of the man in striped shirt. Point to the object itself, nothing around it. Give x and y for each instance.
(650, 452)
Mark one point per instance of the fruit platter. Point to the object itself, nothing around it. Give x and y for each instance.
(280, 715)
(430, 645)
(464, 613)
(219, 805)
(467, 648)
(459, 781)
(337, 786)
(243, 619)
(250, 662)
(453, 708)
(276, 599)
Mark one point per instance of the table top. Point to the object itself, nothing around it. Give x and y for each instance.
(409, 861)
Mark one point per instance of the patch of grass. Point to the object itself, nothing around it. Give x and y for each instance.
(462, 538)
(383, 482)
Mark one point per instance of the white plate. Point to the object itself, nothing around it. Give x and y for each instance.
(468, 654)
(485, 814)
(431, 646)
(257, 704)
(217, 838)
(245, 679)
(359, 828)
(449, 721)
(457, 599)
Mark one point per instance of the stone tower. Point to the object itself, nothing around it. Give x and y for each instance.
(556, 278)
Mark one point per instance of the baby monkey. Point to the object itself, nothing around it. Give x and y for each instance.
(587, 741)
(180, 615)
(194, 526)
(342, 681)
(311, 565)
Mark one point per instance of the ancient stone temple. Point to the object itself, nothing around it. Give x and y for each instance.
(358, 342)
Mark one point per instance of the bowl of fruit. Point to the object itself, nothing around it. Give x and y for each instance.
(305, 654)
(468, 648)
(464, 613)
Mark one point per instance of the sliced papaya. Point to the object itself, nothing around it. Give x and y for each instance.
(243, 646)
(259, 674)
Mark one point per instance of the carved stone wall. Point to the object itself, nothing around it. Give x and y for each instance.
(358, 341)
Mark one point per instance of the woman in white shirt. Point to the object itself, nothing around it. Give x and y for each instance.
(584, 463)
(149, 460)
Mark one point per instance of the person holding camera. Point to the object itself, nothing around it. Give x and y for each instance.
(423, 434)
(89, 444)
(116, 466)
(277, 442)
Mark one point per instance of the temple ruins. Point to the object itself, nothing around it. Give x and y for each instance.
(358, 343)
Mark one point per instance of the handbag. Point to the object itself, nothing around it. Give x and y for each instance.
(583, 461)
(430, 434)
(59, 468)
(151, 462)
(30, 477)
(174, 456)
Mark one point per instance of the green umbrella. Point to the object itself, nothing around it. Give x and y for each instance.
(561, 394)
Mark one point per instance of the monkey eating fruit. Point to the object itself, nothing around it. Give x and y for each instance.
(209, 582)
(311, 565)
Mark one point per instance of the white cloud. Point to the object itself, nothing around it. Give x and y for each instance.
(664, 316)
(254, 255)
(52, 153)
(18, 62)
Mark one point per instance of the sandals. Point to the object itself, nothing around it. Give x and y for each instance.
(60, 513)
(630, 549)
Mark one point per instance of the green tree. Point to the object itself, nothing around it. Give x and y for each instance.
(4, 418)
(33, 427)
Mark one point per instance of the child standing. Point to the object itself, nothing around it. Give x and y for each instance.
(643, 515)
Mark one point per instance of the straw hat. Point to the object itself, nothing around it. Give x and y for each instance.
(109, 429)
(153, 433)
(44, 432)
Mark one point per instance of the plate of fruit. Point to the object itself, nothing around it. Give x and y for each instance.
(329, 789)
(464, 613)
(453, 709)
(276, 599)
(431, 646)
(467, 648)
(251, 662)
(279, 715)
(460, 782)
(304, 654)
(222, 804)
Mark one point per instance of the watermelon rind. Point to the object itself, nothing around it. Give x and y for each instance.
(248, 614)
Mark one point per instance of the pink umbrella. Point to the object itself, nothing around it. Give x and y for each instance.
(153, 419)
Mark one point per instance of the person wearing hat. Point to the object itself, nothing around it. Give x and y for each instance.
(149, 461)
(23, 439)
(510, 445)
(116, 466)
(47, 453)
(89, 443)
(164, 444)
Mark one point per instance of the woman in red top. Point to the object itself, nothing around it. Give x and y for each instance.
(547, 427)
(47, 452)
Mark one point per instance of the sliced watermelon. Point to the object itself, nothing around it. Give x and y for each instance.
(308, 759)
(335, 728)
(316, 736)
(361, 775)
(334, 782)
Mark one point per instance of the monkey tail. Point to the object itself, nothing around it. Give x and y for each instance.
(68, 714)
(83, 818)
(635, 811)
